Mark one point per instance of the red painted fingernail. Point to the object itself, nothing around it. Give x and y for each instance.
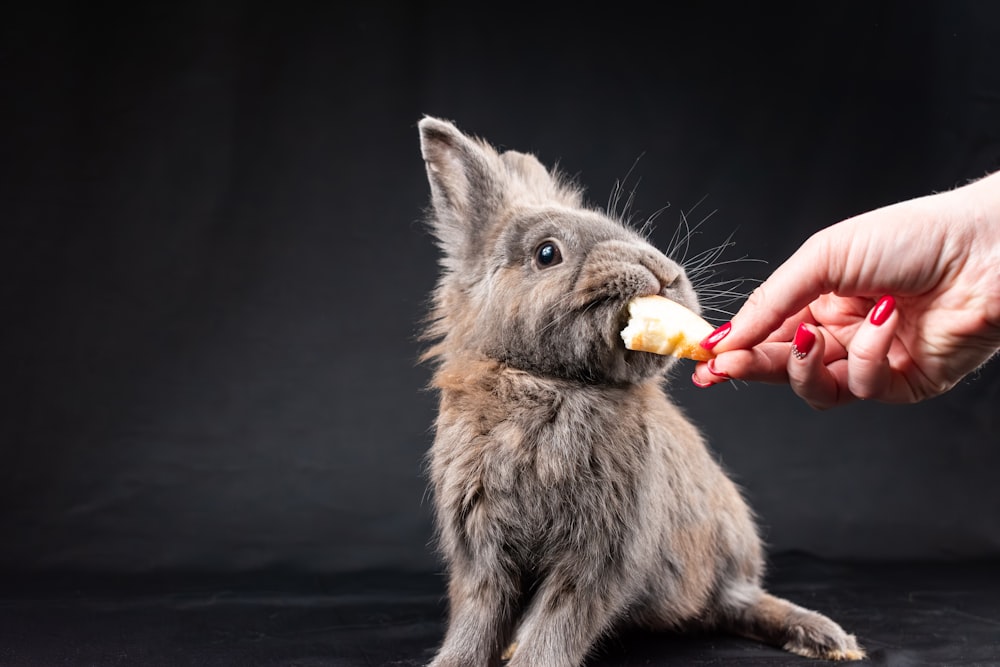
(698, 383)
(883, 309)
(803, 342)
(713, 371)
(713, 338)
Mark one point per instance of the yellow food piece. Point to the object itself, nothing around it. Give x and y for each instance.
(662, 326)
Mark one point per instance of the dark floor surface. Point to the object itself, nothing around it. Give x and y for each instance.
(904, 614)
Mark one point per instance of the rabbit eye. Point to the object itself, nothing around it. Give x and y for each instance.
(547, 254)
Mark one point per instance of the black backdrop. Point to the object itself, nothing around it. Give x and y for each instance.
(214, 266)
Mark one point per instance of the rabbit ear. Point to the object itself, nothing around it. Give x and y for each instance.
(527, 167)
(466, 184)
(533, 182)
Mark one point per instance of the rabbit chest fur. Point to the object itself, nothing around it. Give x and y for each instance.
(570, 494)
(609, 488)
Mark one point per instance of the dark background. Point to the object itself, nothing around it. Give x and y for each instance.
(214, 264)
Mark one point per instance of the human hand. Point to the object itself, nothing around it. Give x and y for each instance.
(937, 256)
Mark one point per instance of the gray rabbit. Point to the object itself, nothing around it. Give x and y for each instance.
(571, 495)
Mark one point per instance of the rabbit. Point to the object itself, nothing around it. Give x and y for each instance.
(571, 496)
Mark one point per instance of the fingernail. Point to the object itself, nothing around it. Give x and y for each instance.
(803, 342)
(713, 338)
(714, 371)
(883, 309)
(700, 384)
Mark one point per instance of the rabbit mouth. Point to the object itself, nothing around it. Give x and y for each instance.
(622, 320)
(620, 323)
(623, 313)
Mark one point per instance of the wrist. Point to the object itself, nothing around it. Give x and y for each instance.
(984, 200)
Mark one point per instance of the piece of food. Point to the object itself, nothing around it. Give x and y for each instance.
(662, 326)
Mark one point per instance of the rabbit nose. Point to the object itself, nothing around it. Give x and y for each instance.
(665, 271)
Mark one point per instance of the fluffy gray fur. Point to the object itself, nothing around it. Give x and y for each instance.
(571, 494)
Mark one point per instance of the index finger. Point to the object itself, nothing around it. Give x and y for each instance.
(806, 275)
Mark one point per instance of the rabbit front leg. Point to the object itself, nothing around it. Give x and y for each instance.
(479, 618)
(565, 618)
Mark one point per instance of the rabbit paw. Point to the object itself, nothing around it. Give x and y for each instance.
(509, 652)
(815, 636)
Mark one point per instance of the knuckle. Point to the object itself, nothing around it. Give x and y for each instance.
(818, 406)
(808, 390)
(863, 392)
(866, 383)
(758, 297)
(864, 354)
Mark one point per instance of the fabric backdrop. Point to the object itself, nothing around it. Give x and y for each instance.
(214, 264)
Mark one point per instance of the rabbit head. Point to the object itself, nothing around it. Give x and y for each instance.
(531, 277)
